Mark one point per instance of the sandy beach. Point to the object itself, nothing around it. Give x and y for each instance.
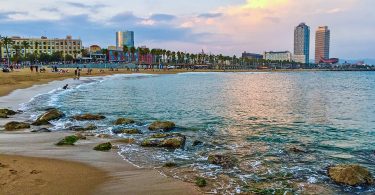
(30, 163)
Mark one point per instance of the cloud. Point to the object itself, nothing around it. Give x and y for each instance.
(210, 15)
(162, 17)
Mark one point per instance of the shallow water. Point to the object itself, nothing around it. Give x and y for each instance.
(255, 116)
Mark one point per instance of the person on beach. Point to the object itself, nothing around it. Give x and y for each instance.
(75, 73)
(79, 73)
(36, 68)
(65, 87)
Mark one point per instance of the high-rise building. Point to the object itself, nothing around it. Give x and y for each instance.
(302, 43)
(322, 41)
(125, 38)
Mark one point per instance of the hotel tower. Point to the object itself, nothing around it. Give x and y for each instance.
(302, 43)
(322, 40)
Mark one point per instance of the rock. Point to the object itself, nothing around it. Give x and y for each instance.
(127, 131)
(124, 121)
(170, 164)
(4, 113)
(16, 125)
(197, 142)
(200, 182)
(296, 149)
(126, 141)
(226, 160)
(88, 117)
(51, 114)
(162, 125)
(353, 175)
(103, 147)
(68, 140)
(80, 136)
(104, 136)
(87, 128)
(172, 141)
(42, 130)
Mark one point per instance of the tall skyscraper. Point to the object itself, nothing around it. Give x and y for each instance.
(125, 38)
(302, 43)
(322, 41)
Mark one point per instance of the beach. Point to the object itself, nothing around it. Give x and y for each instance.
(32, 164)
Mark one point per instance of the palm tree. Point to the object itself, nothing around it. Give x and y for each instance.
(25, 45)
(37, 47)
(7, 42)
(125, 49)
(132, 51)
(17, 48)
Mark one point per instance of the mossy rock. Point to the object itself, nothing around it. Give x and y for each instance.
(124, 121)
(80, 136)
(51, 114)
(87, 128)
(170, 164)
(226, 160)
(103, 147)
(104, 136)
(88, 117)
(162, 125)
(7, 112)
(200, 182)
(352, 175)
(127, 131)
(172, 141)
(126, 141)
(3, 115)
(16, 125)
(68, 141)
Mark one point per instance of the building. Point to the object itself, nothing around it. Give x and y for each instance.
(67, 46)
(322, 42)
(115, 54)
(278, 56)
(252, 56)
(125, 38)
(302, 43)
(95, 49)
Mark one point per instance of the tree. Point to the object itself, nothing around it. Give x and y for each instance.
(69, 57)
(116, 55)
(132, 51)
(57, 56)
(7, 42)
(25, 45)
(44, 57)
(16, 57)
(125, 49)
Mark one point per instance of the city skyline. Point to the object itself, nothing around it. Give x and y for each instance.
(228, 27)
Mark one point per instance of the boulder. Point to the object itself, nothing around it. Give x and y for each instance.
(162, 125)
(197, 143)
(226, 160)
(51, 114)
(200, 182)
(7, 111)
(296, 149)
(87, 128)
(126, 141)
(127, 131)
(104, 136)
(41, 130)
(103, 147)
(16, 125)
(68, 140)
(172, 141)
(88, 117)
(170, 164)
(353, 175)
(3, 115)
(80, 136)
(124, 121)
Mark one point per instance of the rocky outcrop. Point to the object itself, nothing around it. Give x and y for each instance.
(226, 160)
(197, 143)
(68, 141)
(51, 114)
(4, 113)
(172, 141)
(88, 117)
(103, 147)
(11, 126)
(41, 130)
(162, 125)
(126, 141)
(124, 121)
(353, 175)
(127, 131)
(89, 127)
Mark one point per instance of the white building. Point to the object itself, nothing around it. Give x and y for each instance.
(278, 56)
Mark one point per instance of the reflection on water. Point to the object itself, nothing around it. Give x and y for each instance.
(261, 118)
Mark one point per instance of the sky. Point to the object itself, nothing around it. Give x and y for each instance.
(216, 26)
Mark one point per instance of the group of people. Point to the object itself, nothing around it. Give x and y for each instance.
(77, 73)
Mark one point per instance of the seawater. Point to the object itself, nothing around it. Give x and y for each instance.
(257, 117)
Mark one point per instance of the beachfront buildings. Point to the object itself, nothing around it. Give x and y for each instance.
(68, 46)
(322, 43)
(278, 56)
(252, 56)
(125, 38)
(302, 43)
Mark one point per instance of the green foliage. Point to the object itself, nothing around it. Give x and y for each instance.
(103, 147)
(68, 140)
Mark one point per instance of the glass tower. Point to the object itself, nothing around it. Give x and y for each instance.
(302, 43)
(125, 38)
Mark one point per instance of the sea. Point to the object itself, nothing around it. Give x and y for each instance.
(259, 117)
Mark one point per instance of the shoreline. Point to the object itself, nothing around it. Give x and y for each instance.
(110, 173)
